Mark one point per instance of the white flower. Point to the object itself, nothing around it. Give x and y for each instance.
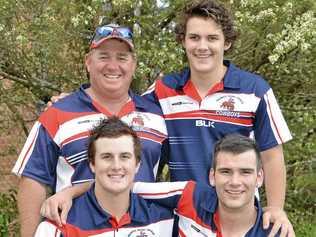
(273, 58)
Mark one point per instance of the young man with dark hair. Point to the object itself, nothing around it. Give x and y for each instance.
(213, 98)
(228, 208)
(109, 208)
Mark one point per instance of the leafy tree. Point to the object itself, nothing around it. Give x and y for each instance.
(43, 43)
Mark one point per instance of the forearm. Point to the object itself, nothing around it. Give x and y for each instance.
(77, 190)
(31, 195)
(275, 176)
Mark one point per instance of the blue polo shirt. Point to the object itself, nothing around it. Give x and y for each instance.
(87, 218)
(196, 205)
(55, 152)
(241, 103)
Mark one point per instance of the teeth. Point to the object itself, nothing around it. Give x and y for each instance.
(234, 192)
(202, 55)
(115, 176)
(112, 76)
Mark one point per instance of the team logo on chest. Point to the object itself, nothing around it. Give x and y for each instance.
(138, 121)
(142, 233)
(228, 104)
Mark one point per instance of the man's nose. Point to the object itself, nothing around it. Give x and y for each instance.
(203, 44)
(116, 163)
(235, 179)
(112, 64)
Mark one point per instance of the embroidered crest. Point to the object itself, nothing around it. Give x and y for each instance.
(229, 104)
(142, 233)
(138, 121)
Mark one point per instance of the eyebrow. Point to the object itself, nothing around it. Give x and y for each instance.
(124, 54)
(242, 169)
(127, 153)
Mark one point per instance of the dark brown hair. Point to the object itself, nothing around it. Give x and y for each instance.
(236, 144)
(112, 127)
(207, 9)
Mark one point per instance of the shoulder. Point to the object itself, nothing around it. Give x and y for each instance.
(144, 209)
(246, 81)
(81, 207)
(71, 102)
(145, 105)
(205, 192)
(176, 79)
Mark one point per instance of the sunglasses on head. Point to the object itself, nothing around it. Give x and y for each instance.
(105, 31)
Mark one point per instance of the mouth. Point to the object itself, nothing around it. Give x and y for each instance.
(234, 193)
(112, 76)
(116, 177)
(203, 56)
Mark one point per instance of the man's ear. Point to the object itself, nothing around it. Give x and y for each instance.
(137, 167)
(92, 167)
(135, 64)
(227, 45)
(260, 178)
(87, 62)
(211, 177)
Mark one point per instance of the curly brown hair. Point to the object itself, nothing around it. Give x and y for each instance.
(207, 9)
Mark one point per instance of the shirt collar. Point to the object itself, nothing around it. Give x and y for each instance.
(207, 205)
(231, 78)
(253, 232)
(138, 101)
(136, 209)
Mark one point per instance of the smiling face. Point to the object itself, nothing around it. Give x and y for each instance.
(114, 165)
(111, 67)
(204, 43)
(235, 179)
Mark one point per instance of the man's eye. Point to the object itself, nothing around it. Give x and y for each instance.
(125, 156)
(224, 172)
(212, 38)
(123, 58)
(246, 172)
(104, 57)
(193, 37)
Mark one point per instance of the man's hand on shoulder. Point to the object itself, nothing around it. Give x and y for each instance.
(56, 207)
(55, 98)
(278, 217)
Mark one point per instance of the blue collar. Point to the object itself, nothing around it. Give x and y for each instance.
(231, 78)
(256, 229)
(138, 100)
(100, 216)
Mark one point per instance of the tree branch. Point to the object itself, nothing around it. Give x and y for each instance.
(33, 82)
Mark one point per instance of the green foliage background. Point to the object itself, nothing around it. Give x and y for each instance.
(43, 43)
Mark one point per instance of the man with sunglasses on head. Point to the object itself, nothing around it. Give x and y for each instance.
(55, 153)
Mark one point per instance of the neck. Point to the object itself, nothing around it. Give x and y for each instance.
(236, 223)
(115, 204)
(113, 103)
(203, 82)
